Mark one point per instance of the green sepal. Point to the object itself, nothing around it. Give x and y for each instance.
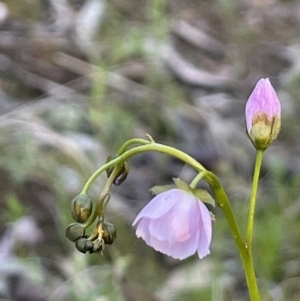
(182, 185)
(204, 196)
(178, 183)
(161, 188)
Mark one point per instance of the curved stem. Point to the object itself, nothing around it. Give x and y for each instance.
(141, 149)
(196, 180)
(258, 163)
(223, 201)
(130, 142)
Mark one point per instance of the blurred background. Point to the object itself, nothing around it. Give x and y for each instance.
(80, 77)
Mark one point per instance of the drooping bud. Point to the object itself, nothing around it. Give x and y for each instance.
(109, 233)
(263, 115)
(84, 245)
(81, 208)
(74, 232)
(122, 174)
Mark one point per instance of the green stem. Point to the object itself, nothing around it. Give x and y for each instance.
(103, 197)
(245, 252)
(247, 260)
(223, 202)
(196, 180)
(258, 163)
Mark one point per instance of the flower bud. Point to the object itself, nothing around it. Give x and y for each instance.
(81, 208)
(84, 245)
(74, 232)
(109, 233)
(263, 113)
(122, 174)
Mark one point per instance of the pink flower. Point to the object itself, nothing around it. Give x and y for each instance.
(176, 223)
(263, 112)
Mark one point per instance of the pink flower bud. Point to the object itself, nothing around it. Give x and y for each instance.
(263, 113)
(176, 223)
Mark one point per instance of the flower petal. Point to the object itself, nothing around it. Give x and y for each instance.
(160, 204)
(178, 250)
(183, 249)
(205, 231)
(142, 229)
(262, 99)
(179, 223)
(176, 223)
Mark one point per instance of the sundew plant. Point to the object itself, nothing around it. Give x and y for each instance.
(177, 222)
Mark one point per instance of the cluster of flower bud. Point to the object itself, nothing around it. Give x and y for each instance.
(82, 208)
(104, 233)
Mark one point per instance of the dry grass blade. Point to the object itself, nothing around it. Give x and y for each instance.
(192, 75)
(196, 37)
